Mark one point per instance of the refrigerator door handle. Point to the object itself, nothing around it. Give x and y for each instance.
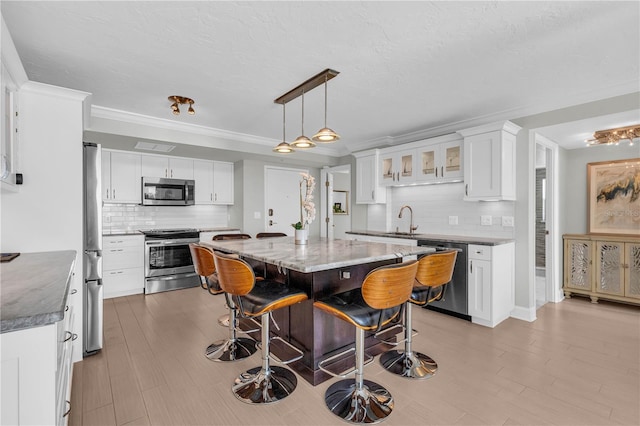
(92, 265)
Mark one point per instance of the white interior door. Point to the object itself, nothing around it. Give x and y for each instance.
(282, 198)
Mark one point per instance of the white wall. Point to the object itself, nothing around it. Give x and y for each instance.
(46, 213)
(573, 179)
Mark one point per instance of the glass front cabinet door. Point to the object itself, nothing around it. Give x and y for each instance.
(440, 162)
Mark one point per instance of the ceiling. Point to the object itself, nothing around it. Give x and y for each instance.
(406, 68)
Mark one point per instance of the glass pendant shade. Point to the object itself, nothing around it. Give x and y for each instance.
(325, 135)
(283, 148)
(303, 142)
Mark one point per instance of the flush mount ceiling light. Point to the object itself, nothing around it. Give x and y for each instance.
(614, 136)
(325, 134)
(283, 147)
(181, 100)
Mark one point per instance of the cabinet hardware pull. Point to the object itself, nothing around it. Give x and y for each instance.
(211, 196)
(114, 194)
(466, 189)
(373, 195)
(74, 291)
(441, 171)
(171, 172)
(166, 173)
(69, 337)
(107, 193)
(69, 410)
(471, 264)
(75, 336)
(66, 308)
(436, 172)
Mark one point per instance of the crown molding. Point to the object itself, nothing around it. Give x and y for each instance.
(55, 91)
(163, 123)
(624, 88)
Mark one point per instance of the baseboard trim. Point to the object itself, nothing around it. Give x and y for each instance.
(524, 314)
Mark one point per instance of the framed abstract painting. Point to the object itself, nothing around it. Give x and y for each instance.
(614, 197)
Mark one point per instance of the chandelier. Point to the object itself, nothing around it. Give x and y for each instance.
(324, 135)
(614, 136)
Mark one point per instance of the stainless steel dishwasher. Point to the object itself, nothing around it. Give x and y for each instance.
(454, 301)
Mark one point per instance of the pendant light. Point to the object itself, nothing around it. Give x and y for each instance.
(302, 141)
(325, 135)
(283, 147)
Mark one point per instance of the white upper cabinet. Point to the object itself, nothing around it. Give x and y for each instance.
(222, 182)
(397, 167)
(440, 162)
(203, 175)
(167, 167)
(367, 189)
(121, 177)
(489, 162)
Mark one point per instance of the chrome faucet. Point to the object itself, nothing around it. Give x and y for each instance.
(411, 227)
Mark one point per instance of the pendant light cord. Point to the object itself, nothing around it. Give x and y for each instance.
(325, 101)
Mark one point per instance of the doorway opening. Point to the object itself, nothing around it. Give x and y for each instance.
(335, 201)
(547, 240)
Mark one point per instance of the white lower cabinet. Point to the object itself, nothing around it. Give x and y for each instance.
(491, 286)
(123, 265)
(37, 370)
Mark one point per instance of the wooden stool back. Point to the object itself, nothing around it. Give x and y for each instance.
(436, 269)
(236, 276)
(390, 285)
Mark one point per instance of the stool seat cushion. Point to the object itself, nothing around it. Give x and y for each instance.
(268, 295)
(351, 307)
(424, 294)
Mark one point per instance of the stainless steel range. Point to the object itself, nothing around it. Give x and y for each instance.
(168, 264)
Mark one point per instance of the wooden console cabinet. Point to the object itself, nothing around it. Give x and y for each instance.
(602, 267)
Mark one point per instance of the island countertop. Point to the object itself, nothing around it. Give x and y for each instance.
(319, 254)
(34, 289)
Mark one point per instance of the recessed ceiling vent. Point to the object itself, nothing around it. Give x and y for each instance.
(158, 147)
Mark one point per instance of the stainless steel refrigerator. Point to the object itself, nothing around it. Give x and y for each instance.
(92, 263)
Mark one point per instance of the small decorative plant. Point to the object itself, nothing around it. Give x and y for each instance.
(307, 206)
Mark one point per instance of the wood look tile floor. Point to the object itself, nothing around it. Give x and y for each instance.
(577, 364)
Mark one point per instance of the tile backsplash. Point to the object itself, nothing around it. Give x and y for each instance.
(130, 217)
(433, 204)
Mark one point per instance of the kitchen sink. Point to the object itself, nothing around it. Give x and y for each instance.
(399, 233)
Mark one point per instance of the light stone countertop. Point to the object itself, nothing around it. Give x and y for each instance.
(319, 254)
(34, 289)
(464, 239)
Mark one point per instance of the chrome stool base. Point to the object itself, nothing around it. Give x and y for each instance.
(231, 350)
(371, 404)
(414, 365)
(255, 386)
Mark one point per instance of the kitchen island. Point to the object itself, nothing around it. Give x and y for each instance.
(320, 268)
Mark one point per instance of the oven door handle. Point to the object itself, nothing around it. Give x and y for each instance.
(170, 242)
(171, 277)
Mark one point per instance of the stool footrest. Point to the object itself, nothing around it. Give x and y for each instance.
(253, 330)
(284, 348)
(340, 360)
(382, 335)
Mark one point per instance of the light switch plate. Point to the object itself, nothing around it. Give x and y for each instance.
(453, 220)
(485, 220)
(507, 221)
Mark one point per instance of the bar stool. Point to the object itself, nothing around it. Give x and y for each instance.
(219, 237)
(264, 384)
(379, 301)
(233, 348)
(261, 235)
(434, 273)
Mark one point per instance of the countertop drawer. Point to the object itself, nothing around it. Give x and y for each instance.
(479, 252)
(122, 257)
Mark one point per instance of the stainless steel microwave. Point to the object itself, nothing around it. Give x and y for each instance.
(167, 192)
